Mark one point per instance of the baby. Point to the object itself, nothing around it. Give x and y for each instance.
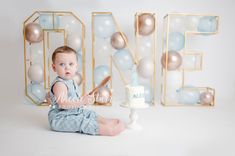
(67, 113)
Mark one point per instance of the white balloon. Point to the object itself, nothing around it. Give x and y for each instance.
(145, 47)
(104, 26)
(36, 53)
(176, 24)
(103, 47)
(75, 42)
(191, 23)
(189, 62)
(35, 73)
(70, 24)
(146, 67)
(173, 80)
(78, 78)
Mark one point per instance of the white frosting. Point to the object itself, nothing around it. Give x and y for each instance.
(135, 96)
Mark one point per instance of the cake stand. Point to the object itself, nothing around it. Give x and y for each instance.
(134, 115)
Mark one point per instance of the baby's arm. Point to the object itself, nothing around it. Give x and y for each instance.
(60, 91)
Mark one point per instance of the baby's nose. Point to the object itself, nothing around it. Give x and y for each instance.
(67, 66)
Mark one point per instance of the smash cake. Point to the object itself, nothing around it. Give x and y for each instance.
(135, 96)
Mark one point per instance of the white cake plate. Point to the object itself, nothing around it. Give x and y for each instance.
(133, 115)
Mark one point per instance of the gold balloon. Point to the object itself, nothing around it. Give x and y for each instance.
(103, 96)
(33, 33)
(78, 78)
(206, 98)
(174, 60)
(117, 41)
(146, 23)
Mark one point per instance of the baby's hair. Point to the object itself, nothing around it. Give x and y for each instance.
(63, 49)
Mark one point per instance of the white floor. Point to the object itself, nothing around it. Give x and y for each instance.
(167, 131)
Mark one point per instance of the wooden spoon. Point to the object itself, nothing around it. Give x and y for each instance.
(102, 83)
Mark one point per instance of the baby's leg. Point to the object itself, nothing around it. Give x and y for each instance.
(103, 120)
(111, 130)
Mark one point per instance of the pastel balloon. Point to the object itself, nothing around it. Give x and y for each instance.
(134, 76)
(104, 26)
(46, 21)
(33, 33)
(171, 95)
(176, 41)
(206, 98)
(103, 47)
(173, 80)
(78, 78)
(189, 62)
(117, 41)
(71, 25)
(145, 67)
(207, 24)
(145, 47)
(176, 24)
(38, 92)
(148, 93)
(103, 96)
(35, 73)
(79, 58)
(123, 59)
(146, 24)
(188, 95)
(101, 72)
(174, 60)
(75, 42)
(36, 53)
(191, 23)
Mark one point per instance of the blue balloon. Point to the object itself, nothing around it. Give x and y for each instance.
(207, 24)
(37, 92)
(104, 26)
(46, 21)
(123, 59)
(79, 59)
(176, 41)
(148, 94)
(101, 72)
(188, 95)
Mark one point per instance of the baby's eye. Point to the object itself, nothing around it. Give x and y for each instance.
(71, 64)
(62, 64)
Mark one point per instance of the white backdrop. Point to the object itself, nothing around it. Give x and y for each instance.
(219, 55)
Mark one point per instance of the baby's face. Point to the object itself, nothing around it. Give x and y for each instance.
(65, 65)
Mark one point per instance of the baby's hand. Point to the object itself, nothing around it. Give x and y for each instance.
(88, 99)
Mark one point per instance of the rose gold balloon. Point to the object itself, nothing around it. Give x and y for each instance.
(33, 33)
(78, 78)
(103, 96)
(117, 41)
(206, 98)
(146, 24)
(174, 60)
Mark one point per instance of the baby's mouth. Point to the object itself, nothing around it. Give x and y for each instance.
(67, 73)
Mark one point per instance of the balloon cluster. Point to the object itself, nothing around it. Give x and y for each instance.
(172, 59)
(189, 95)
(145, 27)
(103, 96)
(34, 34)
